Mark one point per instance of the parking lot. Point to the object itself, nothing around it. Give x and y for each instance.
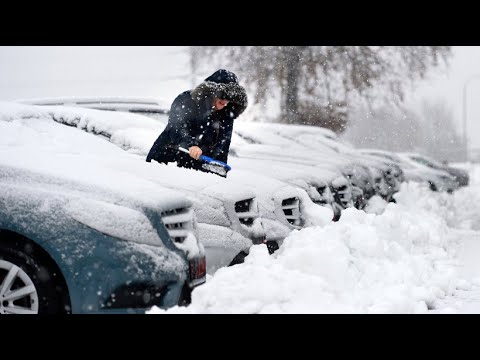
(350, 230)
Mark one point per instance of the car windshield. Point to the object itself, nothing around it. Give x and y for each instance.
(425, 162)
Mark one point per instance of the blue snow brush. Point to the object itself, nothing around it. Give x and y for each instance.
(215, 166)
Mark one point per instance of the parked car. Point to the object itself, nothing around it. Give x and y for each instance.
(352, 163)
(460, 175)
(319, 164)
(152, 107)
(79, 237)
(437, 180)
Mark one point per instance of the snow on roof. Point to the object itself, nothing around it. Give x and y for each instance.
(282, 158)
(95, 100)
(291, 128)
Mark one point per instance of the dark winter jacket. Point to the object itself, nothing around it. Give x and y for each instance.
(193, 121)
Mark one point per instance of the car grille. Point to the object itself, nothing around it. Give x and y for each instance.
(245, 210)
(291, 209)
(179, 223)
(325, 195)
(343, 196)
(380, 185)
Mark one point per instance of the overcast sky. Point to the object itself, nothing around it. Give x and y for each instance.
(163, 72)
(45, 71)
(448, 85)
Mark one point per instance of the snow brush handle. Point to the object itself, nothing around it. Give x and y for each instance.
(208, 159)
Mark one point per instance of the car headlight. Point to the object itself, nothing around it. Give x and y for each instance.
(114, 220)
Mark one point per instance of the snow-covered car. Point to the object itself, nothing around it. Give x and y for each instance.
(354, 165)
(285, 205)
(395, 174)
(325, 187)
(246, 209)
(77, 236)
(386, 176)
(152, 107)
(437, 180)
(232, 214)
(228, 214)
(324, 176)
(460, 175)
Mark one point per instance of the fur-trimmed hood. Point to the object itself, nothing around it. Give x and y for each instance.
(192, 121)
(228, 89)
(232, 92)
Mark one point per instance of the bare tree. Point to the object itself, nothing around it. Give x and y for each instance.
(317, 82)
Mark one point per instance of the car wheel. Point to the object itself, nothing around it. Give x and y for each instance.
(239, 259)
(28, 286)
(272, 246)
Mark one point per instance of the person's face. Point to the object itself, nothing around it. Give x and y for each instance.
(219, 104)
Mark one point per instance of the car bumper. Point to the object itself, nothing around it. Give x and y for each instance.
(105, 274)
(221, 245)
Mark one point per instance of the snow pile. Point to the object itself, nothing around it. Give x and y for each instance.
(10, 111)
(191, 246)
(314, 215)
(465, 202)
(460, 209)
(376, 205)
(401, 261)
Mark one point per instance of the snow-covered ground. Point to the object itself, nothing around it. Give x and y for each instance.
(417, 256)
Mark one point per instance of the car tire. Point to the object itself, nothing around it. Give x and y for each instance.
(272, 246)
(239, 259)
(42, 285)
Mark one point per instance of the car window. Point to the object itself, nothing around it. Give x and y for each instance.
(424, 162)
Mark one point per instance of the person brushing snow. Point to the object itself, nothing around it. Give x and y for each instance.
(201, 120)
